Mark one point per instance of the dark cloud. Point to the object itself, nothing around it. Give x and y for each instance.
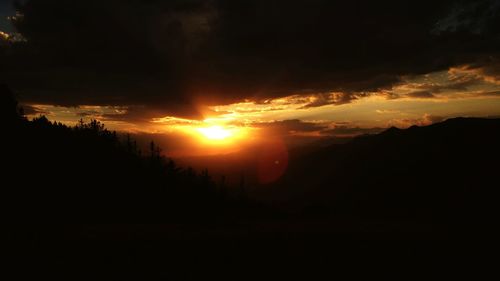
(333, 98)
(488, 94)
(89, 113)
(170, 56)
(487, 70)
(491, 72)
(421, 95)
(290, 126)
(132, 114)
(453, 85)
(471, 16)
(345, 130)
(6, 10)
(33, 110)
(326, 129)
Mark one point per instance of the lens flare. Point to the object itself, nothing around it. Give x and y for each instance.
(272, 161)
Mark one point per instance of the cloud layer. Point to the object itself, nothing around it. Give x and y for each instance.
(170, 57)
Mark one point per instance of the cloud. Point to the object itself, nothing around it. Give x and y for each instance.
(287, 127)
(387, 111)
(389, 95)
(472, 16)
(317, 129)
(453, 84)
(350, 131)
(91, 114)
(488, 94)
(332, 98)
(31, 110)
(487, 70)
(426, 119)
(169, 57)
(421, 95)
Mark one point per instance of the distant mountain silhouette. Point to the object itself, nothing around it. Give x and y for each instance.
(444, 173)
(388, 200)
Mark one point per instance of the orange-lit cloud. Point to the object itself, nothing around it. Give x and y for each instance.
(162, 58)
(418, 100)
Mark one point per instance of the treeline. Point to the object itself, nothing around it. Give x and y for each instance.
(86, 172)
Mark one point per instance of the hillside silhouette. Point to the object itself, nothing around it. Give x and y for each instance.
(86, 173)
(89, 203)
(444, 173)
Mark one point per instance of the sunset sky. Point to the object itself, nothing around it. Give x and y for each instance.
(216, 76)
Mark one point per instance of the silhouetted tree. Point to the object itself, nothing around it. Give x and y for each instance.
(119, 182)
(9, 111)
(152, 150)
(129, 143)
(242, 191)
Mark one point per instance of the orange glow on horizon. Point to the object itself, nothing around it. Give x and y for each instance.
(297, 118)
(215, 132)
(208, 137)
(218, 134)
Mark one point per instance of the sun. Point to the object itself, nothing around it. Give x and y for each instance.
(215, 133)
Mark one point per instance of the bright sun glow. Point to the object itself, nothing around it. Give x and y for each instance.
(215, 133)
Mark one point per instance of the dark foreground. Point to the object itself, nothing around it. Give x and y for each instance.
(274, 250)
(81, 203)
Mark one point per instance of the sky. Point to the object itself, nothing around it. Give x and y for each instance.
(6, 10)
(214, 76)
